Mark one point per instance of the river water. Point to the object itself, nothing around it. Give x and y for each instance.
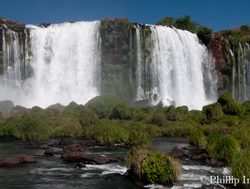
(53, 173)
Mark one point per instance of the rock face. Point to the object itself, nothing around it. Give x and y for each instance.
(6, 107)
(218, 46)
(76, 157)
(17, 160)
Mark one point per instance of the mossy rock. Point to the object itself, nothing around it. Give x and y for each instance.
(213, 112)
(103, 105)
(229, 105)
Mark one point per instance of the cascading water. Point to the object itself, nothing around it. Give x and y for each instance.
(139, 90)
(181, 69)
(240, 81)
(65, 62)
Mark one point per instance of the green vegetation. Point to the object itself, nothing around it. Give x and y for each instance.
(226, 148)
(241, 167)
(229, 105)
(235, 36)
(186, 23)
(153, 166)
(198, 139)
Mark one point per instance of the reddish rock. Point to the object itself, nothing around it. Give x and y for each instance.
(17, 160)
(76, 157)
(218, 47)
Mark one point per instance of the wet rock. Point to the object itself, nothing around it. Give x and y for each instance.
(6, 107)
(17, 160)
(80, 165)
(52, 151)
(74, 148)
(76, 157)
(178, 152)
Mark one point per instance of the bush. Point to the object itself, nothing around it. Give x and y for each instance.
(159, 118)
(197, 138)
(226, 148)
(213, 112)
(108, 133)
(171, 113)
(160, 168)
(229, 105)
(122, 112)
(103, 105)
(87, 117)
(204, 34)
(152, 167)
(241, 167)
(138, 135)
(30, 128)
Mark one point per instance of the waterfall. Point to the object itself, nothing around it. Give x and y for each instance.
(241, 72)
(140, 93)
(65, 62)
(181, 69)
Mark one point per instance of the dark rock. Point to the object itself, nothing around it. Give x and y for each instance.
(17, 160)
(66, 141)
(6, 107)
(76, 157)
(52, 151)
(80, 165)
(18, 111)
(177, 152)
(74, 148)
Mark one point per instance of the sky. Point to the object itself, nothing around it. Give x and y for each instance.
(217, 14)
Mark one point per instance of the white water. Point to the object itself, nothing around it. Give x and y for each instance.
(241, 72)
(140, 92)
(181, 68)
(65, 61)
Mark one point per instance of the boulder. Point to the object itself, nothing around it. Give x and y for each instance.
(52, 151)
(76, 157)
(74, 148)
(178, 152)
(6, 107)
(17, 160)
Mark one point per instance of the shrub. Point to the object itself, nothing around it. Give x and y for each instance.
(107, 134)
(152, 167)
(160, 168)
(213, 112)
(122, 112)
(226, 148)
(30, 128)
(103, 105)
(198, 138)
(241, 167)
(171, 113)
(159, 118)
(138, 135)
(87, 117)
(204, 34)
(229, 105)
